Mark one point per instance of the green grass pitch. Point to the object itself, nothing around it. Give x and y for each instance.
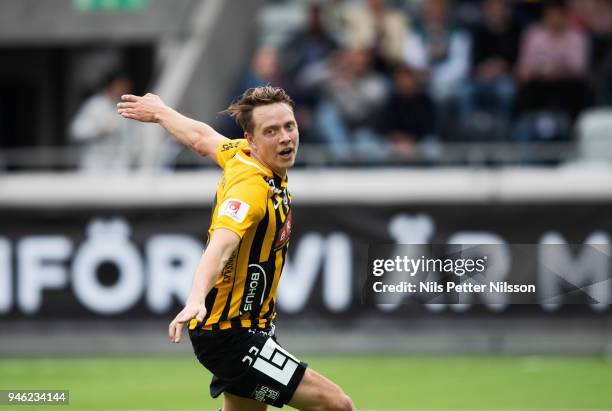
(374, 383)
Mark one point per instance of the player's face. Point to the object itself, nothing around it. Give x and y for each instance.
(275, 137)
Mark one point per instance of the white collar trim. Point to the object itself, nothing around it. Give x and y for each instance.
(250, 163)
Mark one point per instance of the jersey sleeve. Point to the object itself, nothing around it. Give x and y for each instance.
(226, 150)
(243, 206)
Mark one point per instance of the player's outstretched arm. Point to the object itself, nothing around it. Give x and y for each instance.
(222, 244)
(150, 108)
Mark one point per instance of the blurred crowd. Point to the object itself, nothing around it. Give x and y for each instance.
(379, 76)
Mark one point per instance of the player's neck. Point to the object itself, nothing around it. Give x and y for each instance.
(282, 172)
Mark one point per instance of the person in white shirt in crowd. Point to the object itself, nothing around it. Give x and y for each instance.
(439, 48)
(375, 25)
(353, 94)
(101, 135)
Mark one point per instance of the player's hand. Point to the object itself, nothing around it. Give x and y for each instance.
(190, 312)
(143, 108)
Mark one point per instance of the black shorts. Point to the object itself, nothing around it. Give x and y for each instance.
(248, 363)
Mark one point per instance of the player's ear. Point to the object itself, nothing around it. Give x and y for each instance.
(248, 136)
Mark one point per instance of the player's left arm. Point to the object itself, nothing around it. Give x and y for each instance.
(244, 208)
(222, 244)
(198, 136)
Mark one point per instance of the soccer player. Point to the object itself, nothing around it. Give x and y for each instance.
(231, 309)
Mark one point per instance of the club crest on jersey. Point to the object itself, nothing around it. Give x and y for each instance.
(234, 209)
(284, 233)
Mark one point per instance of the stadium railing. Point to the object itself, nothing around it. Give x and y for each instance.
(316, 155)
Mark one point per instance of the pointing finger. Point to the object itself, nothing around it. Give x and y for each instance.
(171, 330)
(179, 332)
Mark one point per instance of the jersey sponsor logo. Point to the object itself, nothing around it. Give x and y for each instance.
(255, 278)
(234, 209)
(284, 233)
(228, 146)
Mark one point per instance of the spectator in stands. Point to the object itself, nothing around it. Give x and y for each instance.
(441, 51)
(310, 45)
(552, 69)
(440, 48)
(353, 95)
(492, 87)
(307, 48)
(595, 17)
(408, 116)
(99, 133)
(374, 25)
(265, 69)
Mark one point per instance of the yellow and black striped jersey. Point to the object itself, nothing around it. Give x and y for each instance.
(253, 202)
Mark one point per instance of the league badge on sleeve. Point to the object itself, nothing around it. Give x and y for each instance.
(234, 208)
